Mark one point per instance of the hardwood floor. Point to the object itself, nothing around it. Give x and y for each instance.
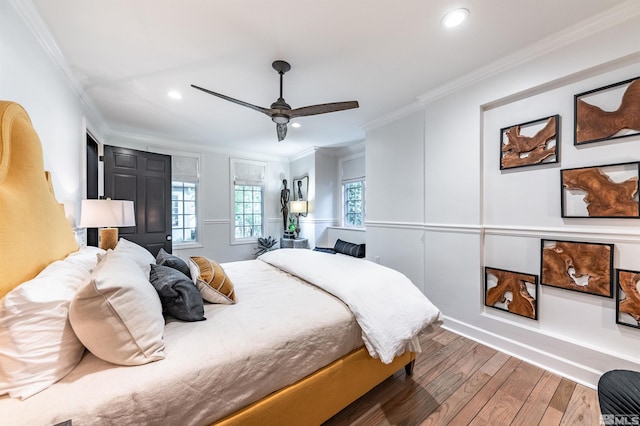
(457, 381)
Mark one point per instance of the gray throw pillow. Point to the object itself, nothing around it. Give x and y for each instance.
(165, 259)
(179, 296)
(351, 249)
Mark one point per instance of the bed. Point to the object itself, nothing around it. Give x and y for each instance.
(85, 339)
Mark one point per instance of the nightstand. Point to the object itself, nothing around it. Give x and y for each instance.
(294, 243)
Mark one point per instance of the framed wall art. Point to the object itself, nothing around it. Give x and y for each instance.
(609, 191)
(301, 188)
(583, 267)
(628, 298)
(510, 291)
(609, 112)
(531, 143)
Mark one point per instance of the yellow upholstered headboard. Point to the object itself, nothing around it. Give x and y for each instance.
(33, 228)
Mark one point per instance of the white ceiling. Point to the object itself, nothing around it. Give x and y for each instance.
(127, 54)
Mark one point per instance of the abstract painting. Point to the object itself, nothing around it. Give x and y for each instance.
(510, 291)
(603, 191)
(530, 143)
(628, 299)
(583, 267)
(609, 112)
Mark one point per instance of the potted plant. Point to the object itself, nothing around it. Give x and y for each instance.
(265, 245)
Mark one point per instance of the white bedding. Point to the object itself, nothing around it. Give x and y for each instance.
(390, 310)
(213, 367)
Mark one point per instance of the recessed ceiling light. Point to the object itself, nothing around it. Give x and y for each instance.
(296, 124)
(455, 18)
(174, 94)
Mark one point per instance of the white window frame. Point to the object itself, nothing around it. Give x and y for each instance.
(358, 176)
(345, 224)
(198, 242)
(245, 181)
(173, 228)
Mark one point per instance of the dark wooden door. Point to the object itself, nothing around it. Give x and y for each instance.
(144, 178)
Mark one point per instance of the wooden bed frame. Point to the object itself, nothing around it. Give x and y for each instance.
(34, 232)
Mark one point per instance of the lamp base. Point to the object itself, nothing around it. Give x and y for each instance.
(108, 238)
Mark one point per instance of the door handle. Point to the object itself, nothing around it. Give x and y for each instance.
(168, 237)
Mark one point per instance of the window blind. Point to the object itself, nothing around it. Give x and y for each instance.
(246, 172)
(184, 169)
(353, 169)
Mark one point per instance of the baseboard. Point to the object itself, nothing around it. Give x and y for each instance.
(575, 369)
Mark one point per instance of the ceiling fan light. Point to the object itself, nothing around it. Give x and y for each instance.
(455, 18)
(280, 118)
(296, 125)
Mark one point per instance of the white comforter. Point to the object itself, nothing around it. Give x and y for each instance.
(390, 310)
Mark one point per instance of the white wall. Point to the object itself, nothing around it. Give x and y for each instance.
(476, 215)
(30, 77)
(325, 189)
(395, 196)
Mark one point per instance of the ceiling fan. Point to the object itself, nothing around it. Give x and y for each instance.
(280, 111)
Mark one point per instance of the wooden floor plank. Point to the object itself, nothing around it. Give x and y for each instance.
(538, 401)
(510, 397)
(452, 405)
(466, 415)
(457, 381)
(563, 393)
(552, 417)
(495, 363)
(445, 337)
(583, 408)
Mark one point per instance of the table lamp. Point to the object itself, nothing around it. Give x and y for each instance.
(298, 208)
(108, 215)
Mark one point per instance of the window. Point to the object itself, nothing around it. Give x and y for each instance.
(248, 211)
(353, 207)
(247, 203)
(183, 212)
(184, 199)
(352, 176)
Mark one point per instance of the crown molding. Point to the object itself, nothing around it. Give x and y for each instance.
(304, 153)
(405, 111)
(572, 34)
(29, 14)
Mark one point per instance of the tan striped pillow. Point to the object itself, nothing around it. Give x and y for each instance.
(213, 283)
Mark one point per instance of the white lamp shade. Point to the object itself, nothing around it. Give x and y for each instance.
(107, 213)
(298, 207)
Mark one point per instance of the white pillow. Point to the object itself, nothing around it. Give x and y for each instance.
(139, 254)
(37, 345)
(117, 315)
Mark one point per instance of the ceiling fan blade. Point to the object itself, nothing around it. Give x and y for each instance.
(235, 101)
(281, 129)
(322, 109)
